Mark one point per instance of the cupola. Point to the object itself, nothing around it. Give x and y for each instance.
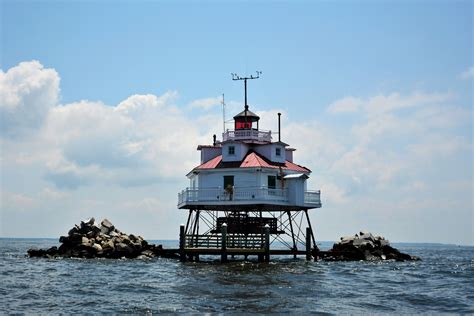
(246, 120)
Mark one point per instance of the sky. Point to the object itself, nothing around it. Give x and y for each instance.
(102, 106)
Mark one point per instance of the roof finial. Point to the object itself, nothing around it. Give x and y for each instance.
(237, 77)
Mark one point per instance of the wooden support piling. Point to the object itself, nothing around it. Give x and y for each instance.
(267, 243)
(308, 243)
(224, 243)
(182, 240)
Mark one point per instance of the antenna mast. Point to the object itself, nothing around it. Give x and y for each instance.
(237, 77)
(223, 113)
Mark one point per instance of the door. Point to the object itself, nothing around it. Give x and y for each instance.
(228, 181)
(229, 187)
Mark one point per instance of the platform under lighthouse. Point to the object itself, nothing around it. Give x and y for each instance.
(247, 196)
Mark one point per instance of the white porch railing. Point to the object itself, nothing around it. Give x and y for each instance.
(312, 197)
(259, 135)
(238, 194)
(243, 194)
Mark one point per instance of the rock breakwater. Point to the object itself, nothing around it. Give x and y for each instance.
(364, 246)
(88, 240)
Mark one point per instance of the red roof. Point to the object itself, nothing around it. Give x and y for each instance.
(251, 160)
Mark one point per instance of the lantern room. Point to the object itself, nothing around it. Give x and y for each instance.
(246, 120)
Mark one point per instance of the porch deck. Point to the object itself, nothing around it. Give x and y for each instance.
(245, 197)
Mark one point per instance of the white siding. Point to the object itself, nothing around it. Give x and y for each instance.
(289, 155)
(240, 150)
(209, 153)
(264, 177)
(269, 151)
(276, 158)
(296, 188)
(264, 150)
(215, 179)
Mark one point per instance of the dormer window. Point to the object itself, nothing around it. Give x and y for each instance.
(231, 150)
(278, 151)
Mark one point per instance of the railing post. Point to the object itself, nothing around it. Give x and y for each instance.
(224, 243)
(267, 243)
(182, 240)
(308, 243)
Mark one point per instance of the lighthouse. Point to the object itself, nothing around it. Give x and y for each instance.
(247, 196)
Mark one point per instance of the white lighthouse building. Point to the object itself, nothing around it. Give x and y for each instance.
(244, 183)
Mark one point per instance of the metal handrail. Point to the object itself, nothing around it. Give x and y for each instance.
(253, 241)
(260, 135)
(237, 194)
(218, 194)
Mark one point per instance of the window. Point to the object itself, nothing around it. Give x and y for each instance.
(231, 150)
(278, 151)
(272, 182)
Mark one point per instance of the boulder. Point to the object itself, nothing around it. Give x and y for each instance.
(147, 253)
(123, 250)
(74, 230)
(88, 240)
(364, 247)
(85, 241)
(106, 226)
(97, 247)
(75, 238)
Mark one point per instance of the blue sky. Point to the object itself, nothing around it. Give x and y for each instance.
(376, 96)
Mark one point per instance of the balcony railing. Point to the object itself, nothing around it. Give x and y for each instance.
(243, 194)
(312, 197)
(248, 134)
(237, 194)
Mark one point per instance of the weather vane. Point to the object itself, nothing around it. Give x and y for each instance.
(237, 77)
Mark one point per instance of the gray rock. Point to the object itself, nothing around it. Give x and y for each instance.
(108, 244)
(90, 221)
(347, 239)
(85, 241)
(363, 243)
(368, 236)
(122, 249)
(97, 247)
(148, 253)
(75, 238)
(143, 257)
(74, 230)
(104, 230)
(107, 224)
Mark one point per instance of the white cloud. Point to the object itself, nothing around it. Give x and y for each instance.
(142, 104)
(468, 74)
(206, 103)
(27, 92)
(17, 201)
(49, 193)
(381, 104)
(345, 105)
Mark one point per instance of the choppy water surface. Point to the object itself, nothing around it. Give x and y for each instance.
(442, 282)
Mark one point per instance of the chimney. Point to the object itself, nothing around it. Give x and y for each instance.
(279, 128)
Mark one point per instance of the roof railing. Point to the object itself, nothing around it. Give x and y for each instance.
(247, 134)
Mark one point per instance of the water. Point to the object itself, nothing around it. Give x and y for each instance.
(442, 282)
